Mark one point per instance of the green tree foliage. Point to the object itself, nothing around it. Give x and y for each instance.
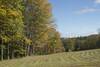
(37, 17)
(11, 27)
(82, 43)
(35, 21)
(26, 28)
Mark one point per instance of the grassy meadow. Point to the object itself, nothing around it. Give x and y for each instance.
(88, 58)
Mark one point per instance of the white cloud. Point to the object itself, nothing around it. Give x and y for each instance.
(87, 10)
(97, 1)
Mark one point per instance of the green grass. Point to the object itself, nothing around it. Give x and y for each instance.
(89, 58)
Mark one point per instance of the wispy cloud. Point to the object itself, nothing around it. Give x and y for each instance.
(87, 10)
(97, 1)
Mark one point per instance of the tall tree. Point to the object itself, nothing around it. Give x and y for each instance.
(11, 23)
(37, 17)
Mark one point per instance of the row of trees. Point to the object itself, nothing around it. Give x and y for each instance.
(26, 28)
(82, 43)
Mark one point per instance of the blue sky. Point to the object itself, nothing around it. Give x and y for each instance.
(76, 17)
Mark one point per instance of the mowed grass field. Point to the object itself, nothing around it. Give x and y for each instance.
(89, 58)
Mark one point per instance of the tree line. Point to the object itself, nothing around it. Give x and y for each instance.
(27, 28)
(81, 43)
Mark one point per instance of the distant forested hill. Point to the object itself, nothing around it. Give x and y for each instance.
(81, 43)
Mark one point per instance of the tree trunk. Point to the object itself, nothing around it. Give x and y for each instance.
(8, 52)
(12, 55)
(25, 50)
(28, 49)
(1, 52)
